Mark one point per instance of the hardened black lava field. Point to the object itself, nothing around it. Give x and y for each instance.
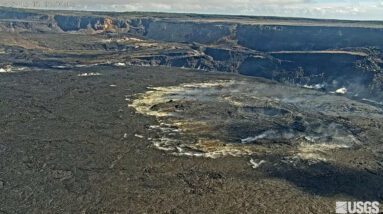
(174, 113)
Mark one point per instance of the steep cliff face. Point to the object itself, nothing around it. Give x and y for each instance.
(289, 38)
(325, 70)
(161, 30)
(204, 33)
(329, 54)
(260, 67)
(74, 23)
(22, 15)
(256, 36)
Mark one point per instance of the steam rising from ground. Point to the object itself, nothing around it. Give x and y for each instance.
(246, 118)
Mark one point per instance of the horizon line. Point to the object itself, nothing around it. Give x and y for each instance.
(194, 13)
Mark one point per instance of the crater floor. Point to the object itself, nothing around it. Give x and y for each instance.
(149, 139)
(248, 117)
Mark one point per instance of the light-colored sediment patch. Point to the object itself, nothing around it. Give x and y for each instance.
(125, 39)
(254, 164)
(210, 148)
(159, 95)
(11, 69)
(138, 136)
(2, 70)
(61, 66)
(233, 101)
(316, 86)
(120, 64)
(138, 43)
(341, 91)
(317, 152)
(192, 126)
(89, 74)
(217, 148)
(86, 65)
(181, 133)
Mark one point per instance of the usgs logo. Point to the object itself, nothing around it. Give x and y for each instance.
(359, 207)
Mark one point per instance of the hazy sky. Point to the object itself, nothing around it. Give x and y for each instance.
(338, 9)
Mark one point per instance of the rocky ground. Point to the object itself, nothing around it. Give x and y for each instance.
(70, 143)
(150, 113)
